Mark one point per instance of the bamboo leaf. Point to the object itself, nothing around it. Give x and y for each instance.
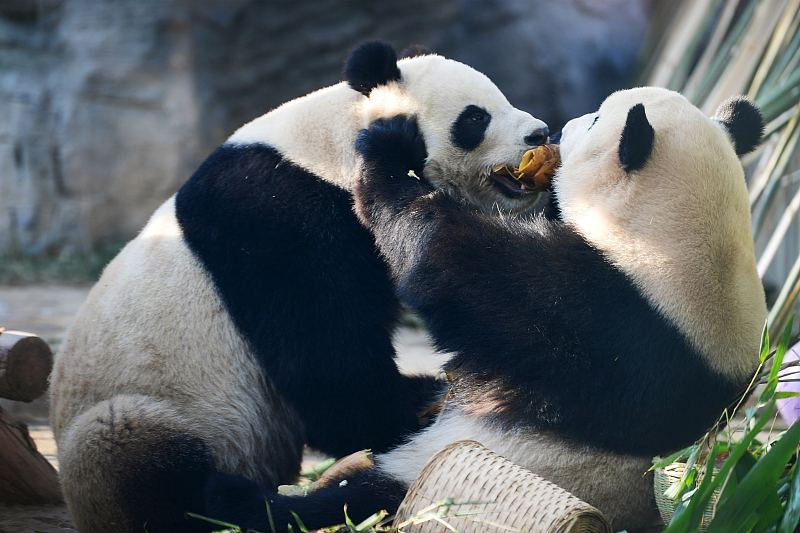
(759, 484)
(677, 456)
(777, 361)
(791, 516)
(371, 521)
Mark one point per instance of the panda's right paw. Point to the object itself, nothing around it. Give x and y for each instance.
(390, 178)
(392, 148)
(236, 500)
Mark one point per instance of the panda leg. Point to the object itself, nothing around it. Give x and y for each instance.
(241, 502)
(124, 468)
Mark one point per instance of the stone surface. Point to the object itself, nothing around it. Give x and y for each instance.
(107, 107)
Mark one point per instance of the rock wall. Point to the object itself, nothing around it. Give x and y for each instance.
(107, 106)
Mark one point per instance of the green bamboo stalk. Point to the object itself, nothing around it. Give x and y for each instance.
(786, 58)
(778, 235)
(775, 45)
(681, 72)
(712, 49)
(787, 300)
(772, 186)
(750, 49)
(680, 35)
(760, 183)
(724, 53)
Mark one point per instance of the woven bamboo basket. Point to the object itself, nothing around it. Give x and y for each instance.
(666, 476)
(475, 490)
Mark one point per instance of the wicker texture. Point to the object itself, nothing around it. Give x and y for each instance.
(663, 479)
(508, 497)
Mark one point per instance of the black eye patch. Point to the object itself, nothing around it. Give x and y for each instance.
(470, 126)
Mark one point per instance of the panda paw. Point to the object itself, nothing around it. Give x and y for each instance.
(390, 177)
(235, 500)
(392, 148)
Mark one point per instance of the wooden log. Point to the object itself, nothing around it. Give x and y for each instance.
(25, 363)
(25, 475)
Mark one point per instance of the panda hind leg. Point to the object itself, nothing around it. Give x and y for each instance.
(127, 465)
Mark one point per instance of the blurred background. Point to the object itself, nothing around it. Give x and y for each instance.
(108, 106)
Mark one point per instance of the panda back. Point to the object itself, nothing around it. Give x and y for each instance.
(154, 326)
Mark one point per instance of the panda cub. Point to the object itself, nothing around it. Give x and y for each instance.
(253, 313)
(583, 346)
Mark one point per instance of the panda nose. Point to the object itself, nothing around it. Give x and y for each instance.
(537, 137)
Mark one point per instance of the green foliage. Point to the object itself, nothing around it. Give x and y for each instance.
(756, 489)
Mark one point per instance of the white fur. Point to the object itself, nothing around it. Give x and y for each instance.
(679, 227)
(156, 352)
(618, 485)
(154, 345)
(318, 131)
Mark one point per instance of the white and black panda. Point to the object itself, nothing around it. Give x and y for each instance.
(253, 312)
(583, 346)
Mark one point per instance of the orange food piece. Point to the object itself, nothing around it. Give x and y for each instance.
(536, 169)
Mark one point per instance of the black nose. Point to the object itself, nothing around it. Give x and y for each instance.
(537, 137)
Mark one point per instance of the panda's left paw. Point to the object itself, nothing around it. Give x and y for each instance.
(392, 148)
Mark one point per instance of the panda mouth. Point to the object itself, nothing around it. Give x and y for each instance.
(510, 187)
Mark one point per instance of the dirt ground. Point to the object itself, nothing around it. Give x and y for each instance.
(47, 311)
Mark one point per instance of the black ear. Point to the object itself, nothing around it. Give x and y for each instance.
(371, 64)
(743, 121)
(415, 50)
(636, 141)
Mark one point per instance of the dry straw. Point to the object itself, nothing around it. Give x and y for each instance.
(468, 488)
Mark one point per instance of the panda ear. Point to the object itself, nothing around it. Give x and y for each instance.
(743, 121)
(636, 141)
(371, 64)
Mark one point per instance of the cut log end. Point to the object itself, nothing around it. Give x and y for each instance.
(25, 364)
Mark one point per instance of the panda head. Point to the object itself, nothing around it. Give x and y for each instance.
(647, 148)
(659, 188)
(469, 126)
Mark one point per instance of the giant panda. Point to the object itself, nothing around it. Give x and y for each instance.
(584, 345)
(253, 313)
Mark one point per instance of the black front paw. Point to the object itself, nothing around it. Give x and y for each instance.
(236, 500)
(392, 147)
(390, 176)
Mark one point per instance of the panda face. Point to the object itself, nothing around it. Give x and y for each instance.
(610, 181)
(469, 126)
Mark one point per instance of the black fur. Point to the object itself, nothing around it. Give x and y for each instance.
(743, 121)
(370, 65)
(546, 332)
(166, 482)
(241, 502)
(302, 281)
(636, 141)
(468, 130)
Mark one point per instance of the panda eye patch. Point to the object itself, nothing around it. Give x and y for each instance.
(469, 128)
